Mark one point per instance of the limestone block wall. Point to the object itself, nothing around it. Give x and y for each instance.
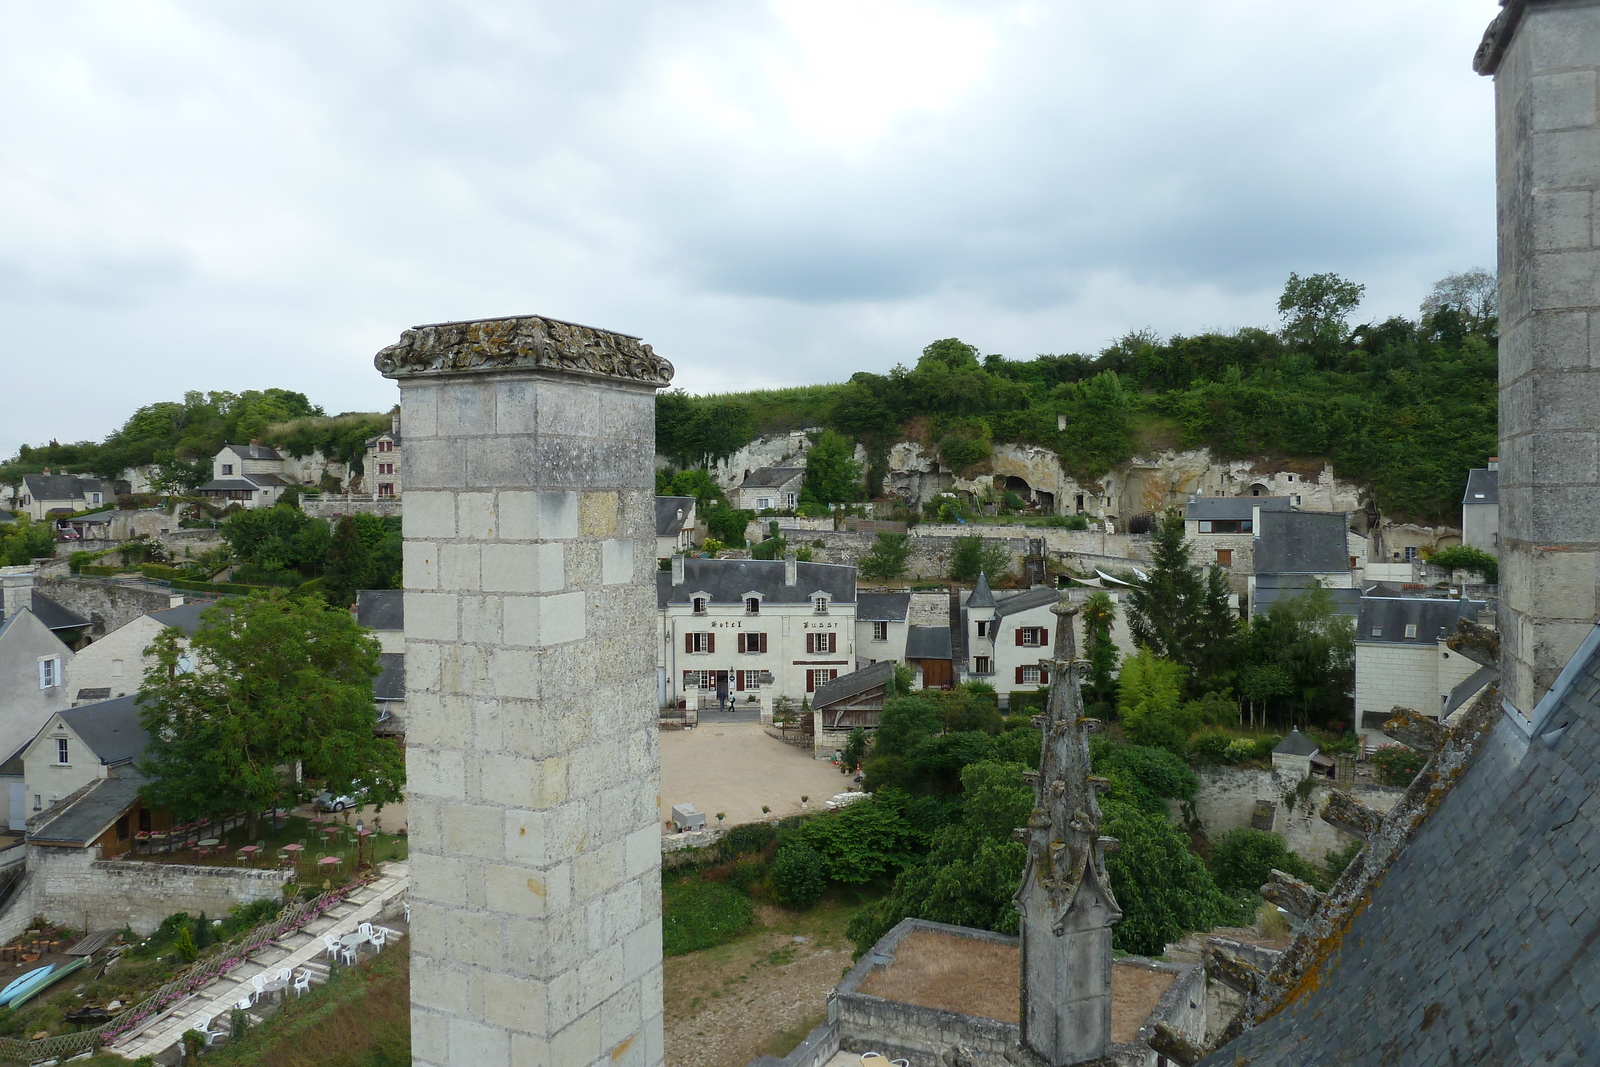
(1227, 798)
(67, 885)
(107, 605)
(532, 748)
(1548, 162)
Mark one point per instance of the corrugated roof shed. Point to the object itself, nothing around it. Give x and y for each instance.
(85, 819)
(1477, 946)
(856, 682)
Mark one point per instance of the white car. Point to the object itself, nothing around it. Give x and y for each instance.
(326, 801)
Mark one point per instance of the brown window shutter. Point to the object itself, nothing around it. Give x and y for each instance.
(711, 642)
(1019, 636)
(811, 644)
(741, 649)
(1044, 636)
(738, 676)
(688, 642)
(1044, 676)
(1019, 670)
(811, 679)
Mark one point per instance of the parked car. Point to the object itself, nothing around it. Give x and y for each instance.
(326, 801)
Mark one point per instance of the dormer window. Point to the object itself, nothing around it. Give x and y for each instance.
(698, 604)
(385, 445)
(821, 603)
(752, 605)
(1411, 631)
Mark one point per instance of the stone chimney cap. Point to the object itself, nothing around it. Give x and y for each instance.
(522, 342)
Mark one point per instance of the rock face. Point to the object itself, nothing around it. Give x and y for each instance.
(776, 450)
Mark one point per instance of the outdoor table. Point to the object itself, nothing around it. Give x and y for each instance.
(249, 851)
(331, 831)
(328, 861)
(293, 847)
(210, 842)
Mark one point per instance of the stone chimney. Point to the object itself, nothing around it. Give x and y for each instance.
(791, 570)
(1545, 59)
(1494, 463)
(394, 423)
(530, 693)
(16, 590)
(677, 569)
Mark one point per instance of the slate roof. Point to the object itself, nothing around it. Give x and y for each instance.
(110, 728)
(102, 692)
(1296, 744)
(982, 596)
(727, 580)
(86, 818)
(222, 485)
(771, 477)
(44, 487)
(255, 451)
(12, 767)
(668, 522)
(1433, 618)
(1038, 596)
(928, 642)
(1270, 588)
(1232, 507)
(1483, 487)
(1477, 946)
(882, 607)
(1467, 688)
(185, 617)
(852, 684)
(391, 684)
(53, 615)
(381, 609)
(1302, 542)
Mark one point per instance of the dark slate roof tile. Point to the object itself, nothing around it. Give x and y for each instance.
(671, 511)
(1483, 487)
(381, 609)
(728, 580)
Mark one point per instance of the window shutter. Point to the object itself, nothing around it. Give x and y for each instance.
(44, 678)
(688, 642)
(763, 642)
(811, 679)
(738, 676)
(1044, 636)
(1044, 676)
(1019, 636)
(811, 647)
(741, 649)
(1019, 670)
(711, 642)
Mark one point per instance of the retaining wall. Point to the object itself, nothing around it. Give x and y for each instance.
(1228, 795)
(70, 886)
(108, 605)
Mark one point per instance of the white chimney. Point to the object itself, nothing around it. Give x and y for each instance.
(1494, 463)
(791, 570)
(394, 423)
(16, 590)
(677, 569)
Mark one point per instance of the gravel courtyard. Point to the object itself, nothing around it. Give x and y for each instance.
(736, 768)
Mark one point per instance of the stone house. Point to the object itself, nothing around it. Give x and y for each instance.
(382, 465)
(114, 666)
(383, 611)
(850, 701)
(251, 476)
(1006, 648)
(770, 489)
(1222, 530)
(881, 627)
(1292, 549)
(1402, 659)
(1297, 757)
(675, 519)
(750, 627)
(34, 665)
(1480, 509)
(45, 495)
(931, 655)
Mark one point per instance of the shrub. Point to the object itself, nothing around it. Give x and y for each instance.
(1467, 558)
(1211, 746)
(1239, 750)
(697, 915)
(1263, 746)
(748, 838)
(798, 874)
(1397, 764)
(959, 452)
(1242, 860)
(184, 945)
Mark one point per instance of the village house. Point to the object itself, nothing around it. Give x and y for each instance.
(33, 664)
(770, 489)
(383, 611)
(850, 701)
(881, 628)
(1293, 549)
(1222, 530)
(1007, 636)
(248, 475)
(1480, 508)
(382, 464)
(1402, 659)
(114, 666)
(675, 519)
(751, 627)
(46, 496)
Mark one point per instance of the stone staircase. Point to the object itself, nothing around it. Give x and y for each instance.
(303, 951)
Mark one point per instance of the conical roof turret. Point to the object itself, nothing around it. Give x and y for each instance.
(982, 596)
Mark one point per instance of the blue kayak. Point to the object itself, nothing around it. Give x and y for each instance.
(25, 983)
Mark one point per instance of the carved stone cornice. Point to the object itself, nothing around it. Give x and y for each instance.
(522, 342)
(1497, 38)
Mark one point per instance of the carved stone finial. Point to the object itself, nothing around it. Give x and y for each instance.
(1344, 812)
(522, 342)
(1410, 727)
(1292, 895)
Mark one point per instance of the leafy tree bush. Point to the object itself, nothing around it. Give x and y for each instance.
(800, 875)
(1164, 889)
(887, 558)
(1242, 861)
(960, 452)
(970, 556)
(1397, 764)
(697, 915)
(1098, 613)
(1468, 558)
(1143, 776)
(866, 840)
(728, 525)
(1150, 701)
(1303, 654)
(855, 749)
(22, 542)
(832, 474)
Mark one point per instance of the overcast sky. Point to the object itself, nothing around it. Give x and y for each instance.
(225, 195)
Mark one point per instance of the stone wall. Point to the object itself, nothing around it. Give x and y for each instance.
(331, 507)
(108, 605)
(71, 886)
(1228, 795)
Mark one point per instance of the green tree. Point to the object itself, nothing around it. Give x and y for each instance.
(1099, 612)
(1315, 310)
(1150, 701)
(1474, 294)
(348, 564)
(971, 556)
(265, 682)
(800, 875)
(728, 525)
(887, 558)
(1179, 612)
(855, 749)
(832, 474)
(1468, 558)
(22, 542)
(1313, 646)
(1163, 889)
(1242, 861)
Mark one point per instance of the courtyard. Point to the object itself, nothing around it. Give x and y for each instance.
(737, 768)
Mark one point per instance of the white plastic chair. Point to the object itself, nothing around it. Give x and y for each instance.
(333, 946)
(348, 954)
(209, 1034)
(285, 976)
(245, 1003)
(378, 937)
(259, 983)
(302, 983)
(365, 930)
(408, 912)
